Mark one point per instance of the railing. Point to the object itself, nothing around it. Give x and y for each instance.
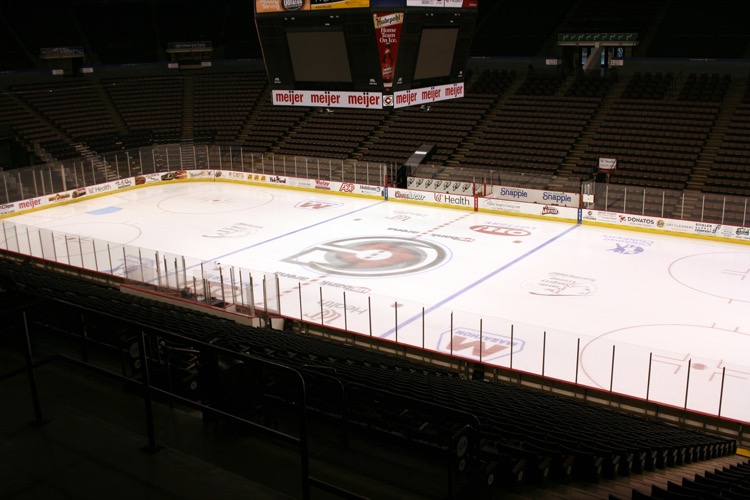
(673, 204)
(20, 184)
(49, 179)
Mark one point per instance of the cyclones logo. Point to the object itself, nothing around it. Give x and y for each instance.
(499, 230)
(372, 257)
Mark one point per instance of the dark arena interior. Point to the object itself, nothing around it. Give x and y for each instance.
(157, 394)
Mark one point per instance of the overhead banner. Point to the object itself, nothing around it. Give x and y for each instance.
(338, 4)
(455, 4)
(427, 95)
(267, 6)
(328, 99)
(388, 32)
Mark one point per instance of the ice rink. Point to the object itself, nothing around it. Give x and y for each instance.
(653, 316)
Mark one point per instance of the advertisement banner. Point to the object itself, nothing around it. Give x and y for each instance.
(328, 99)
(361, 189)
(455, 4)
(428, 95)
(232, 175)
(338, 4)
(555, 198)
(443, 186)
(388, 33)
(457, 201)
(8, 208)
(532, 209)
(267, 6)
(677, 226)
(607, 164)
(425, 3)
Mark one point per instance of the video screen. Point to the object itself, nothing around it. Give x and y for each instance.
(436, 50)
(319, 56)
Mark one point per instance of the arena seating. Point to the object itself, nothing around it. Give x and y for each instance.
(221, 104)
(516, 425)
(730, 173)
(657, 141)
(153, 104)
(531, 133)
(72, 105)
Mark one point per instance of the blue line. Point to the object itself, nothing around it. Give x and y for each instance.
(297, 231)
(478, 282)
(284, 235)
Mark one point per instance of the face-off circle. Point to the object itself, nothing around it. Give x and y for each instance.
(67, 236)
(213, 201)
(721, 274)
(704, 346)
(372, 257)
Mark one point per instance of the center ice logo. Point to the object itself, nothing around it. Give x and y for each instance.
(372, 257)
(628, 249)
(473, 344)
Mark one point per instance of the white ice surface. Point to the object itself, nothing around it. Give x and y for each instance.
(560, 291)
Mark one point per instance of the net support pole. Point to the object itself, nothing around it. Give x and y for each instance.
(451, 333)
(721, 391)
(481, 340)
(124, 262)
(687, 383)
(321, 304)
(612, 370)
(544, 351)
(38, 418)
(96, 259)
(346, 322)
(395, 316)
(578, 357)
(299, 293)
(663, 196)
(242, 288)
(512, 344)
(422, 327)
(648, 380)
(369, 314)
(278, 294)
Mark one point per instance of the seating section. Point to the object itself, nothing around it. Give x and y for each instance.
(270, 125)
(540, 431)
(704, 87)
(656, 141)
(74, 106)
(731, 482)
(328, 133)
(730, 173)
(150, 104)
(533, 131)
(531, 134)
(222, 103)
(490, 81)
(32, 128)
(445, 124)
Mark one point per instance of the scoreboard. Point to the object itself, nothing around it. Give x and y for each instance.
(365, 53)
